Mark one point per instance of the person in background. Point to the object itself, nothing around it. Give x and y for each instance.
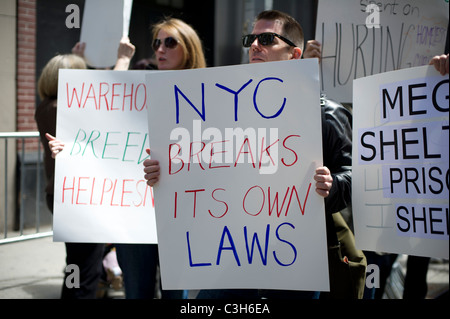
(87, 256)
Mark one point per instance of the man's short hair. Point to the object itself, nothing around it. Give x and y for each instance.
(291, 28)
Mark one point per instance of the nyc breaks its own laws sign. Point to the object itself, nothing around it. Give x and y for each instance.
(100, 192)
(400, 162)
(236, 205)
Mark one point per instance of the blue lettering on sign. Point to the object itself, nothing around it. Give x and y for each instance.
(250, 248)
(190, 255)
(236, 100)
(256, 106)
(232, 247)
(202, 112)
(177, 100)
(255, 239)
(285, 241)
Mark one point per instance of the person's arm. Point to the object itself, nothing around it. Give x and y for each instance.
(124, 54)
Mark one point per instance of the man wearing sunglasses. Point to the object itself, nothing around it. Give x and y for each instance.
(277, 36)
(270, 41)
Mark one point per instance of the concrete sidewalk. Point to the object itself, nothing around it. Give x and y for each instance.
(32, 269)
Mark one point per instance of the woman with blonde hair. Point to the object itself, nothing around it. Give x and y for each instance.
(48, 81)
(177, 46)
(45, 114)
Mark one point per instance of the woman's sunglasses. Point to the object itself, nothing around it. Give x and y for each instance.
(266, 38)
(169, 43)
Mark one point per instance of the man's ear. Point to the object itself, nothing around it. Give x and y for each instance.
(297, 53)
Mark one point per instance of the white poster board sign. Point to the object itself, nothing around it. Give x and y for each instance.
(362, 38)
(100, 191)
(104, 23)
(400, 162)
(236, 205)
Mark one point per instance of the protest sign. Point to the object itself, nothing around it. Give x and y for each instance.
(236, 205)
(104, 23)
(362, 38)
(100, 191)
(400, 162)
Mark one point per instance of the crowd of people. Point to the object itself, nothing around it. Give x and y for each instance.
(276, 36)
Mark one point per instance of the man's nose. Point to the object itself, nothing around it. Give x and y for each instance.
(255, 44)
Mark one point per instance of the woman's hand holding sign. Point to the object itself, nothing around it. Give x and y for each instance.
(56, 146)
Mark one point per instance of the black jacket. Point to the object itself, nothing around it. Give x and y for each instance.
(337, 156)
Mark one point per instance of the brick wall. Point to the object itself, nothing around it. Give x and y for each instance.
(26, 68)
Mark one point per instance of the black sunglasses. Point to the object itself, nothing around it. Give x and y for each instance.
(169, 43)
(266, 38)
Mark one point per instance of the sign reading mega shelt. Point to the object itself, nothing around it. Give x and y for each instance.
(400, 162)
